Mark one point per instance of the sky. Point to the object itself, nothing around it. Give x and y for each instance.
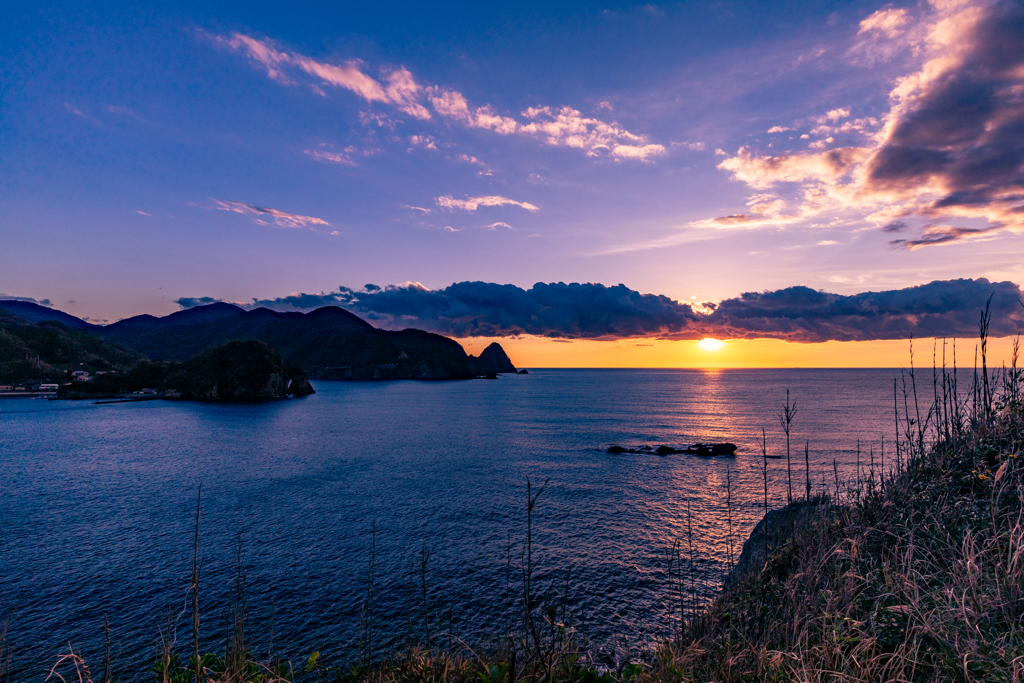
(818, 179)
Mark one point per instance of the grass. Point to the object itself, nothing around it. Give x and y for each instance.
(911, 573)
(919, 579)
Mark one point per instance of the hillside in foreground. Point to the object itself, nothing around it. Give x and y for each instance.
(52, 350)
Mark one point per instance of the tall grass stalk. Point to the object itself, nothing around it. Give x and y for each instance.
(786, 419)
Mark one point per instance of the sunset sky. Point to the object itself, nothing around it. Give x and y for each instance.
(426, 164)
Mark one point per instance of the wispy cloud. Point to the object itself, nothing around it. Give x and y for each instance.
(556, 126)
(333, 157)
(399, 88)
(123, 111)
(281, 219)
(948, 150)
(473, 203)
(344, 156)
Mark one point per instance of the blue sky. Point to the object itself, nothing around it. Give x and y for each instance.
(252, 150)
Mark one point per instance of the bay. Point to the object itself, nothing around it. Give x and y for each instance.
(97, 505)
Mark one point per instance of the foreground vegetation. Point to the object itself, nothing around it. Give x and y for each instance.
(913, 572)
(51, 350)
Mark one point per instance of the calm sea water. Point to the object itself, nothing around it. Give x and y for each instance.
(97, 503)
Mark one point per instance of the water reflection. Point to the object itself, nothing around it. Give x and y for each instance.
(96, 501)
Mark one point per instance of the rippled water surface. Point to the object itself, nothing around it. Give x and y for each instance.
(97, 502)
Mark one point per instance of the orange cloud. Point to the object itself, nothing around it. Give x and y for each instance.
(559, 127)
(949, 149)
(473, 203)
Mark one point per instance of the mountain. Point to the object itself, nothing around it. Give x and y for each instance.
(34, 313)
(189, 316)
(51, 349)
(327, 343)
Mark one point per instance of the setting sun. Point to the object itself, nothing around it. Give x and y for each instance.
(709, 344)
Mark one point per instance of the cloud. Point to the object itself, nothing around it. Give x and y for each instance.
(764, 208)
(400, 89)
(932, 235)
(499, 224)
(883, 35)
(948, 308)
(282, 219)
(28, 299)
(556, 126)
(193, 301)
(764, 172)
(576, 311)
(79, 113)
(949, 150)
(344, 156)
(888, 22)
(473, 203)
(424, 141)
(123, 111)
(333, 157)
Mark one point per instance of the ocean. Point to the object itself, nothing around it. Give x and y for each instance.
(97, 506)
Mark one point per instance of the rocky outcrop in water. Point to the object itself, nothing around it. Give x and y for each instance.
(702, 449)
(493, 360)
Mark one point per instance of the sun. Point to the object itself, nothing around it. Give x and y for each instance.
(709, 344)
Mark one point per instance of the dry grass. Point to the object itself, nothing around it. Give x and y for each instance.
(917, 580)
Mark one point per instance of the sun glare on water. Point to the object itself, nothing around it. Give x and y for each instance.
(709, 344)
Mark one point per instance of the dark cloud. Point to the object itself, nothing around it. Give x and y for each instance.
(193, 301)
(947, 308)
(963, 131)
(577, 311)
(951, 148)
(302, 301)
(28, 299)
(735, 219)
(940, 234)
